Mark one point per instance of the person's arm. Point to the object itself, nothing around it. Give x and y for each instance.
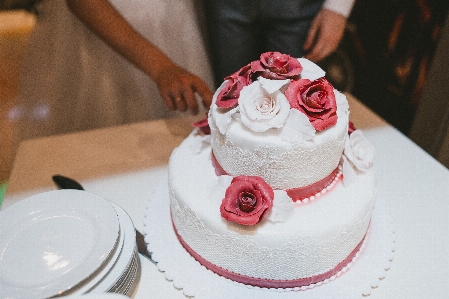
(327, 29)
(176, 85)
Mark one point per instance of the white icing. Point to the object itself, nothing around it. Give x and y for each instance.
(312, 240)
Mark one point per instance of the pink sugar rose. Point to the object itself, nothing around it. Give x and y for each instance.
(316, 99)
(203, 125)
(275, 65)
(247, 201)
(229, 95)
(351, 127)
(244, 72)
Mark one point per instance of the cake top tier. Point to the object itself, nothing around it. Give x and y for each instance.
(279, 118)
(265, 90)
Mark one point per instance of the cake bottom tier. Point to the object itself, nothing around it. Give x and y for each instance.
(317, 239)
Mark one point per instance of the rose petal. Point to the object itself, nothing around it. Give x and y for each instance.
(297, 127)
(294, 91)
(272, 86)
(342, 103)
(223, 119)
(310, 70)
(217, 92)
(322, 124)
(349, 173)
(245, 72)
(203, 125)
(258, 183)
(282, 207)
(351, 127)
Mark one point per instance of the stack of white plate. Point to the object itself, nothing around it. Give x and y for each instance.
(66, 242)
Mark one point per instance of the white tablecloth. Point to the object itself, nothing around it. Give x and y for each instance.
(125, 164)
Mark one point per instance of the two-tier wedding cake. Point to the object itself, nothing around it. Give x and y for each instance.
(276, 187)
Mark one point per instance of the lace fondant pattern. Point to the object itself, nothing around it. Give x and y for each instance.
(298, 167)
(238, 253)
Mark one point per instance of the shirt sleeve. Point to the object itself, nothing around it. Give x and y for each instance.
(342, 7)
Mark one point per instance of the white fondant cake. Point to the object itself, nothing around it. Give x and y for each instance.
(276, 128)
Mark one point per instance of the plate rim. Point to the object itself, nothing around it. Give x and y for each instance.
(126, 255)
(59, 201)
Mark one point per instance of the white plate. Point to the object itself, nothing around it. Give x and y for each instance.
(126, 255)
(53, 241)
(106, 268)
(98, 296)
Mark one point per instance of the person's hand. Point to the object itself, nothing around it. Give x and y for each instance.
(178, 87)
(325, 33)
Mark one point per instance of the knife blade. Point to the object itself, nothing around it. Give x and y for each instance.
(64, 182)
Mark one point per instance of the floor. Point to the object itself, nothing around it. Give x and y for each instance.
(15, 28)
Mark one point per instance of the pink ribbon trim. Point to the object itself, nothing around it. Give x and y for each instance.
(218, 169)
(269, 283)
(313, 189)
(294, 193)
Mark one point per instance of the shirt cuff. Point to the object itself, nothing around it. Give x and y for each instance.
(342, 7)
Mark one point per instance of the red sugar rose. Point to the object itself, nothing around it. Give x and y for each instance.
(316, 99)
(244, 72)
(351, 127)
(247, 201)
(203, 125)
(275, 65)
(229, 95)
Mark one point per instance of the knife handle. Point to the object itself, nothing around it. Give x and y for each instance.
(66, 183)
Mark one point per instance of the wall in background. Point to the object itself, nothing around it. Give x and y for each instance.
(15, 29)
(430, 129)
(386, 54)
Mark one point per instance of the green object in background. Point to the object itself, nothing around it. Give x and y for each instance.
(2, 191)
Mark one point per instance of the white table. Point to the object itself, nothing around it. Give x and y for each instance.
(124, 164)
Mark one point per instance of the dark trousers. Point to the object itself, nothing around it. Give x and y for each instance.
(240, 30)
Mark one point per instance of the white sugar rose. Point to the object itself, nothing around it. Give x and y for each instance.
(359, 151)
(261, 110)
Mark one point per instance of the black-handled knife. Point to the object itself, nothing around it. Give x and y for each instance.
(64, 182)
